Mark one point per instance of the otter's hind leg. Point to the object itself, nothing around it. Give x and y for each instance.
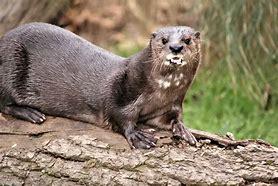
(24, 113)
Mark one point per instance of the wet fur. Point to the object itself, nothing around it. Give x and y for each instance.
(58, 73)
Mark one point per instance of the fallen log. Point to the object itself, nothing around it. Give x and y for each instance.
(65, 152)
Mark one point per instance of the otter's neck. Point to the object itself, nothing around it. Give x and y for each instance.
(141, 61)
(139, 66)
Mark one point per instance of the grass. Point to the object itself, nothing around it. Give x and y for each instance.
(240, 43)
(243, 34)
(212, 105)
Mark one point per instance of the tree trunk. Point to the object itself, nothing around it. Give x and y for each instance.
(17, 12)
(65, 152)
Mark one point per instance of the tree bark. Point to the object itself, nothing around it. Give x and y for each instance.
(65, 152)
(17, 12)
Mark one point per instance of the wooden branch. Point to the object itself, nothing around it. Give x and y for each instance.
(65, 152)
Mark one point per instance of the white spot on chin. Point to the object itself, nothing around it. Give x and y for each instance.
(177, 83)
(184, 63)
(167, 63)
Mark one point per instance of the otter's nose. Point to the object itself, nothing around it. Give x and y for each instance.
(176, 48)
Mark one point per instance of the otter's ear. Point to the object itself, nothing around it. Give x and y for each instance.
(154, 34)
(197, 35)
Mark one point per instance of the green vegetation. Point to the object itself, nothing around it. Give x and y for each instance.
(243, 34)
(237, 88)
(213, 105)
(238, 91)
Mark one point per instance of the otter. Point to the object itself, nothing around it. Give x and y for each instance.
(45, 69)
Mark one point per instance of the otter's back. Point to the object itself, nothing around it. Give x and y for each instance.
(42, 62)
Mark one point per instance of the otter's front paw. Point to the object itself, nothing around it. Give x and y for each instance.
(140, 140)
(179, 131)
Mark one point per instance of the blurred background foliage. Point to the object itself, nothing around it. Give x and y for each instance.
(236, 89)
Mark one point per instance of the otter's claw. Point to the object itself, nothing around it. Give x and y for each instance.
(25, 113)
(140, 140)
(179, 131)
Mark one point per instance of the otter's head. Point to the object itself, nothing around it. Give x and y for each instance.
(174, 47)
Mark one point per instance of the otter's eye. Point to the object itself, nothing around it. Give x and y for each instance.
(187, 41)
(164, 41)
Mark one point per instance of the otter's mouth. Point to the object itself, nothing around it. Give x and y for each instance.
(175, 59)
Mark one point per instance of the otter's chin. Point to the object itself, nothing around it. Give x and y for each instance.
(174, 59)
